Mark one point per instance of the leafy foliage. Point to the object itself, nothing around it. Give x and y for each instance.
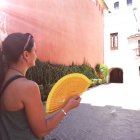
(102, 71)
(46, 74)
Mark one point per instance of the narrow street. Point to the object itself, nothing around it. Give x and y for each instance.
(107, 112)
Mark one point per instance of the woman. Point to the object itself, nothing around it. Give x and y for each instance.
(21, 110)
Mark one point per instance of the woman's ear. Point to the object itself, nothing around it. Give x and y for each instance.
(25, 55)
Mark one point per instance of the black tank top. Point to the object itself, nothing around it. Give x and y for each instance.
(14, 124)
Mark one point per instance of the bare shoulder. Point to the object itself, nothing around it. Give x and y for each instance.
(24, 83)
(28, 83)
(27, 87)
(30, 95)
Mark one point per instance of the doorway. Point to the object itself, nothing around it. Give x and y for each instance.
(116, 75)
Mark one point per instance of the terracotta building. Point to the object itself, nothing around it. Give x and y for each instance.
(65, 31)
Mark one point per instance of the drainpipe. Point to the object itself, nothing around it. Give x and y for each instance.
(134, 9)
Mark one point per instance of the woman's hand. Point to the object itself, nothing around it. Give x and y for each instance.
(72, 103)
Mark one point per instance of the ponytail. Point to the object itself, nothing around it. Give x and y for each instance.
(2, 68)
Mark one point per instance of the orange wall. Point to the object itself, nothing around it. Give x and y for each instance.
(64, 30)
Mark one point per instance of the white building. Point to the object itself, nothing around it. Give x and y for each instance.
(121, 35)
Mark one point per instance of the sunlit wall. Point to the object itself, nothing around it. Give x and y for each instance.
(65, 31)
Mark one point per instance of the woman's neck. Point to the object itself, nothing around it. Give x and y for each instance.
(19, 70)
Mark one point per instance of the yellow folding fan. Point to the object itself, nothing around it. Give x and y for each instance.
(65, 88)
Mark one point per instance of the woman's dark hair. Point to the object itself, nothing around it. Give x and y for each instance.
(11, 50)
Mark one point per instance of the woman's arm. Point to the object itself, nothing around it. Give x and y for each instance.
(55, 119)
(35, 111)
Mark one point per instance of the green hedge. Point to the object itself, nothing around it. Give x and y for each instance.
(46, 74)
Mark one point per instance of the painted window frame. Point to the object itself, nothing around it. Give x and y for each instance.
(116, 5)
(139, 43)
(129, 2)
(114, 41)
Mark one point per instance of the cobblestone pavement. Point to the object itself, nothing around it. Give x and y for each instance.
(107, 112)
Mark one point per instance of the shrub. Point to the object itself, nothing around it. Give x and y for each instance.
(46, 74)
(102, 71)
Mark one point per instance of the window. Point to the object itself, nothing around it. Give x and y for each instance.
(116, 5)
(137, 50)
(114, 41)
(138, 43)
(129, 2)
